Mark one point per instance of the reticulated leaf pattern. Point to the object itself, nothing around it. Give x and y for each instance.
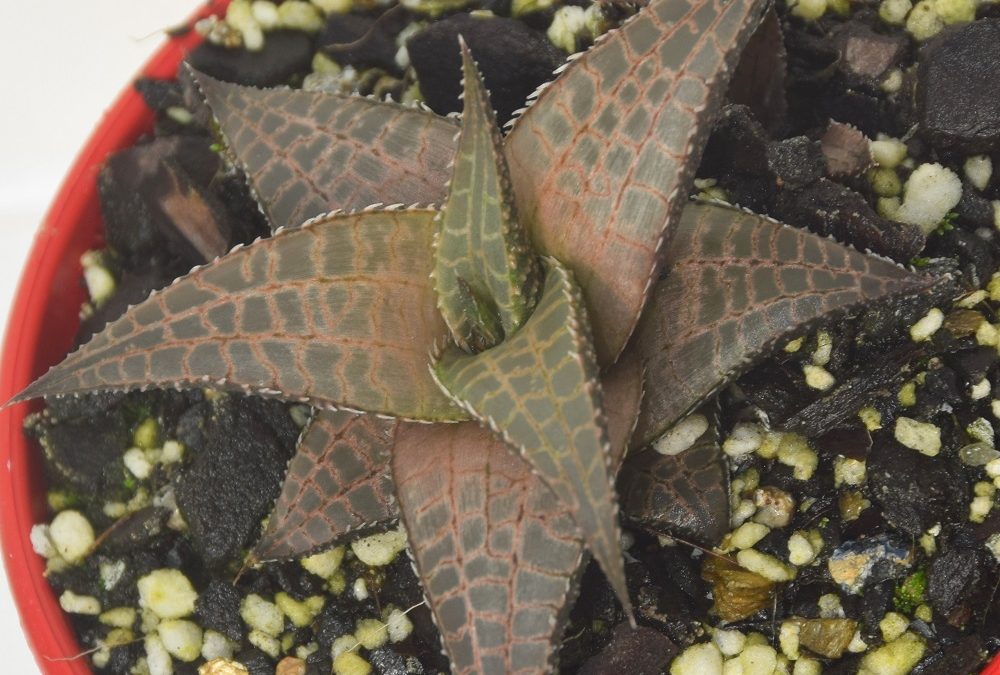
(306, 153)
(685, 494)
(337, 482)
(495, 550)
(738, 283)
(602, 161)
(485, 272)
(340, 313)
(539, 390)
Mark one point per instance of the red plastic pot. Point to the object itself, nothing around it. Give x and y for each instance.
(39, 333)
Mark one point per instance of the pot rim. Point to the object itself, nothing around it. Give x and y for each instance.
(39, 332)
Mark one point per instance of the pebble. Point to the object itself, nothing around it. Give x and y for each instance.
(775, 507)
(182, 639)
(71, 535)
(79, 604)
(698, 659)
(818, 377)
(853, 563)
(223, 666)
(168, 593)
(745, 536)
(118, 617)
(262, 615)
(848, 471)
(264, 642)
(729, 641)
(745, 438)
(927, 325)
(894, 11)
(978, 454)
(758, 660)
(893, 625)
(800, 551)
(398, 625)
(682, 435)
(324, 564)
(157, 657)
(136, 462)
(954, 70)
(765, 565)
(894, 658)
(215, 645)
(931, 192)
(380, 549)
(100, 282)
(923, 437)
(349, 663)
(978, 170)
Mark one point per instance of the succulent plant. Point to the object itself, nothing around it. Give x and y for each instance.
(481, 369)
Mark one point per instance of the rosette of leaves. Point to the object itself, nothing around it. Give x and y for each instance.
(475, 361)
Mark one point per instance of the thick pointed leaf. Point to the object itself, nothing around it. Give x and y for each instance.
(759, 78)
(737, 284)
(484, 266)
(337, 482)
(601, 162)
(339, 313)
(685, 494)
(539, 390)
(307, 153)
(470, 503)
(497, 553)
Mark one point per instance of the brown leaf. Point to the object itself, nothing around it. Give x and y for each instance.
(602, 161)
(496, 553)
(337, 482)
(340, 314)
(307, 153)
(738, 283)
(846, 150)
(759, 79)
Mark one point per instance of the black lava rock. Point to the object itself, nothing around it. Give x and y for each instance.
(256, 661)
(796, 161)
(353, 40)
(913, 490)
(830, 209)
(86, 452)
(218, 608)
(958, 77)
(333, 621)
(387, 662)
(951, 577)
(156, 209)
(235, 476)
(286, 54)
(639, 651)
(964, 656)
(865, 55)
(513, 59)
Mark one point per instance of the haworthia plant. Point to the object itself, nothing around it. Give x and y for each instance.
(344, 313)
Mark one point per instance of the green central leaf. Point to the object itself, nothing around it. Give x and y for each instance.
(486, 274)
(539, 391)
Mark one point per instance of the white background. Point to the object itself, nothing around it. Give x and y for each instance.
(61, 63)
